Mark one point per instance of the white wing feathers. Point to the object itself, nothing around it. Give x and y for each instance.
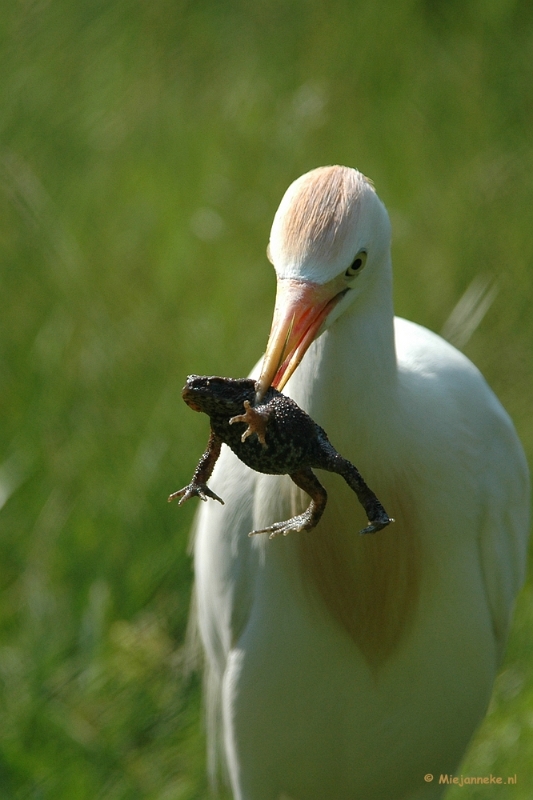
(503, 534)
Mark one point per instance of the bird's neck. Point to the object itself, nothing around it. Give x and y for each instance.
(349, 385)
(348, 381)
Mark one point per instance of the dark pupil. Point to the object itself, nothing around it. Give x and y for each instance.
(357, 263)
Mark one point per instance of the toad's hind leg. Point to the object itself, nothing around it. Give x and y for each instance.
(329, 459)
(377, 516)
(307, 520)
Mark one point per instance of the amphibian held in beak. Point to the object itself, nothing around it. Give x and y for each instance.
(275, 437)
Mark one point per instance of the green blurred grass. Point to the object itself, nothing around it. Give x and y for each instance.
(143, 151)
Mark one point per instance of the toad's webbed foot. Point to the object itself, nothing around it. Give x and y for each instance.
(376, 514)
(256, 420)
(308, 519)
(302, 522)
(378, 523)
(194, 489)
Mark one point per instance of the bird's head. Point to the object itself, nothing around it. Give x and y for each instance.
(329, 241)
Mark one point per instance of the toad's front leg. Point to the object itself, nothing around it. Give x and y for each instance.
(198, 486)
(306, 480)
(256, 419)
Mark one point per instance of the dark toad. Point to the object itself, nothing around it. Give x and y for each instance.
(279, 439)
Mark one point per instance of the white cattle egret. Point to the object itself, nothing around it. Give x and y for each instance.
(346, 667)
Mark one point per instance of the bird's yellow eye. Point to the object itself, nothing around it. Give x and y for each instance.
(357, 264)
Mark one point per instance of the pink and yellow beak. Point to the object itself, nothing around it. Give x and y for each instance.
(300, 311)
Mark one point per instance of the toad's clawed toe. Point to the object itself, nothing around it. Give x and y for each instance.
(256, 421)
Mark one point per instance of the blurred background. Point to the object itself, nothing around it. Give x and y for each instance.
(144, 147)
